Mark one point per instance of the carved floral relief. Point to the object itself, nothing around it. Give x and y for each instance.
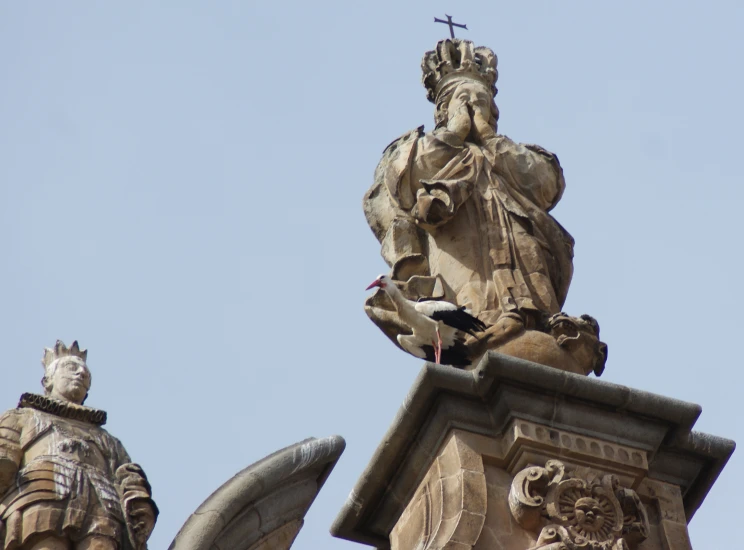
(577, 512)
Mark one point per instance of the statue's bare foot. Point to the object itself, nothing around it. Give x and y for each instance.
(504, 329)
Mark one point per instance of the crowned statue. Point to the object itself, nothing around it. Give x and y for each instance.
(462, 214)
(65, 483)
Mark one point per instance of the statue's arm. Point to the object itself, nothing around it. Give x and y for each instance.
(536, 169)
(446, 170)
(10, 448)
(429, 175)
(135, 494)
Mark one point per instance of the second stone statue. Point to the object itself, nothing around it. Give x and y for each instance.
(462, 214)
(65, 482)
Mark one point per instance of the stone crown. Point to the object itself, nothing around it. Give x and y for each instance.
(456, 59)
(60, 350)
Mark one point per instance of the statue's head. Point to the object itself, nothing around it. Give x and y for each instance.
(456, 71)
(471, 93)
(66, 374)
(589, 514)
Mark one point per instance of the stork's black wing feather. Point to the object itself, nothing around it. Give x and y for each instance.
(456, 355)
(459, 319)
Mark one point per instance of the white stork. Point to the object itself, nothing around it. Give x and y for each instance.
(438, 327)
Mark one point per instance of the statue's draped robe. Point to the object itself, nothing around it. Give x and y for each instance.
(487, 238)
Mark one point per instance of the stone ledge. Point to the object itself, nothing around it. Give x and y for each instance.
(500, 389)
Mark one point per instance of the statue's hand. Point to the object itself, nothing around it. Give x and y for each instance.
(459, 122)
(430, 209)
(141, 518)
(482, 127)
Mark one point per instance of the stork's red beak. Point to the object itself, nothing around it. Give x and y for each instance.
(375, 283)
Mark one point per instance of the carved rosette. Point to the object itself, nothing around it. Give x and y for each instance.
(575, 512)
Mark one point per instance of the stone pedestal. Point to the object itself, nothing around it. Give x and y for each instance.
(518, 456)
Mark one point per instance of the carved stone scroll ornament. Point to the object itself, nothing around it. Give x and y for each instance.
(577, 512)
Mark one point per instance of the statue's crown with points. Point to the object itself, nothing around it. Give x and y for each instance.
(458, 59)
(60, 350)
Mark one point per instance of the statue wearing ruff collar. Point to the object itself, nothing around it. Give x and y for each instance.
(65, 483)
(462, 214)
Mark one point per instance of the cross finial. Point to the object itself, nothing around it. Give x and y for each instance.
(450, 24)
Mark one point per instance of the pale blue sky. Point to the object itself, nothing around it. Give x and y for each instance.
(181, 191)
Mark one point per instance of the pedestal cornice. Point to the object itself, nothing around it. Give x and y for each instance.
(520, 413)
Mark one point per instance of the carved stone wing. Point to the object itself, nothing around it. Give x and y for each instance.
(263, 506)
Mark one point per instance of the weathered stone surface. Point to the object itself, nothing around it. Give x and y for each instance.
(449, 506)
(263, 506)
(508, 415)
(500, 529)
(280, 538)
(577, 508)
(462, 214)
(64, 481)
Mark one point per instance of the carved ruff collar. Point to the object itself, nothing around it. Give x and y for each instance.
(62, 408)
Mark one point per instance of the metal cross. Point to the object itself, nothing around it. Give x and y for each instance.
(451, 24)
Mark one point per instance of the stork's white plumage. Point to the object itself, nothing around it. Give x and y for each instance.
(437, 327)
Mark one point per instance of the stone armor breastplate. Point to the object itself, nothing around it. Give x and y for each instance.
(65, 458)
(67, 440)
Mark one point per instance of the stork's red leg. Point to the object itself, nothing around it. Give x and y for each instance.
(439, 346)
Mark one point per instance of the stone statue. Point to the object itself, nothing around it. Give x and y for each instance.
(65, 483)
(462, 214)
